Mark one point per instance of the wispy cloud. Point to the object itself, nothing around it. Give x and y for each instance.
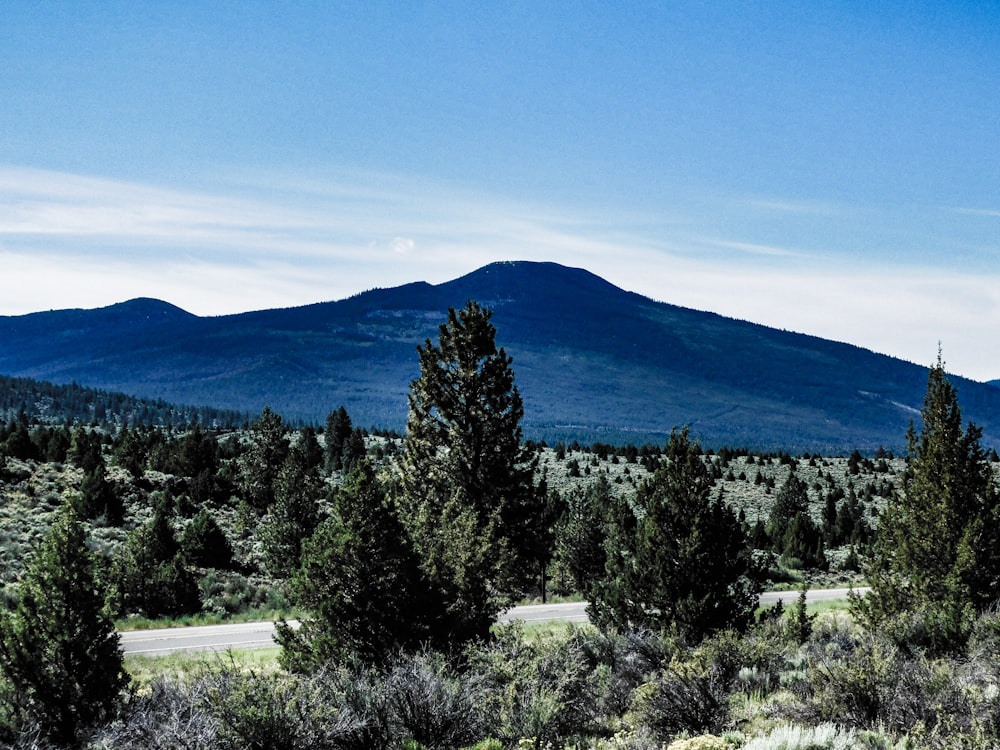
(784, 206)
(989, 212)
(260, 241)
(753, 248)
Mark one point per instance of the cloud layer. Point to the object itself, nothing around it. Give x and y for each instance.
(253, 241)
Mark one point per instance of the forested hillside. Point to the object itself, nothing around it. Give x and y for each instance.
(47, 403)
(594, 363)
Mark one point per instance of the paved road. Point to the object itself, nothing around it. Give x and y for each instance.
(249, 635)
(165, 641)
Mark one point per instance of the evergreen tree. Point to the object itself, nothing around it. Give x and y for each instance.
(149, 576)
(614, 601)
(937, 550)
(308, 445)
(19, 444)
(205, 544)
(803, 543)
(263, 459)
(58, 648)
(362, 582)
(58, 444)
(792, 500)
(85, 450)
(130, 452)
(466, 478)
(196, 452)
(353, 450)
(681, 560)
(338, 431)
(99, 498)
(293, 515)
(580, 534)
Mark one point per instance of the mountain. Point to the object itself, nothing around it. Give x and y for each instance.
(593, 363)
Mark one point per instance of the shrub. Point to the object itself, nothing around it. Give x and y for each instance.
(792, 737)
(701, 742)
(620, 663)
(541, 689)
(170, 715)
(431, 704)
(682, 699)
(851, 679)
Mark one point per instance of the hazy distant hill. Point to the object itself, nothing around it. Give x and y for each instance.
(593, 362)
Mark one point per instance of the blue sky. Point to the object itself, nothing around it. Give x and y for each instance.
(826, 168)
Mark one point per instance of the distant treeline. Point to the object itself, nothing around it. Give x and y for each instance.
(45, 402)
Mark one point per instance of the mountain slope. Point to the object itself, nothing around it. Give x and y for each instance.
(593, 362)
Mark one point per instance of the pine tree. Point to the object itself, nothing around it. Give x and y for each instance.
(308, 445)
(466, 478)
(260, 464)
(338, 431)
(99, 499)
(205, 544)
(680, 561)
(937, 550)
(792, 500)
(293, 515)
(150, 576)
(361, 580)
(353, 450)
(580, 534)
(58, 647)
(614, 601)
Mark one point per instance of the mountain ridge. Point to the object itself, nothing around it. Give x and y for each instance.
(593, 362)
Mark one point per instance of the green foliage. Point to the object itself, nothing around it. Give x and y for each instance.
(466, 479)
(803, 621)
(262, 461)
(791, 502)
(85, 449)
(938, 545)
(681, 699)
(292, 516)
(58, 648)
(362, 582)
(434, 705)
(828, 736)
(149, 576)
(701, 742)
(193, 454)
(99, 499)
(309, 448)
(802, 545)
(540, 688)
(580, 534)
(336, 436)
(679, 561)
(205, 544)
(131, 452)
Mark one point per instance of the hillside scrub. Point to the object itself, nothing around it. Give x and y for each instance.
(32, 489)
(842, 688)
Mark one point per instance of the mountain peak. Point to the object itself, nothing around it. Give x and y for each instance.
(593, 363)
(523, 281)
(149, 308)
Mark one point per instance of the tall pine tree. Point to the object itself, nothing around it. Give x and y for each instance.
(58, 648)
(679, 560)
(467, 488)
(360, 580)
(937, 551)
